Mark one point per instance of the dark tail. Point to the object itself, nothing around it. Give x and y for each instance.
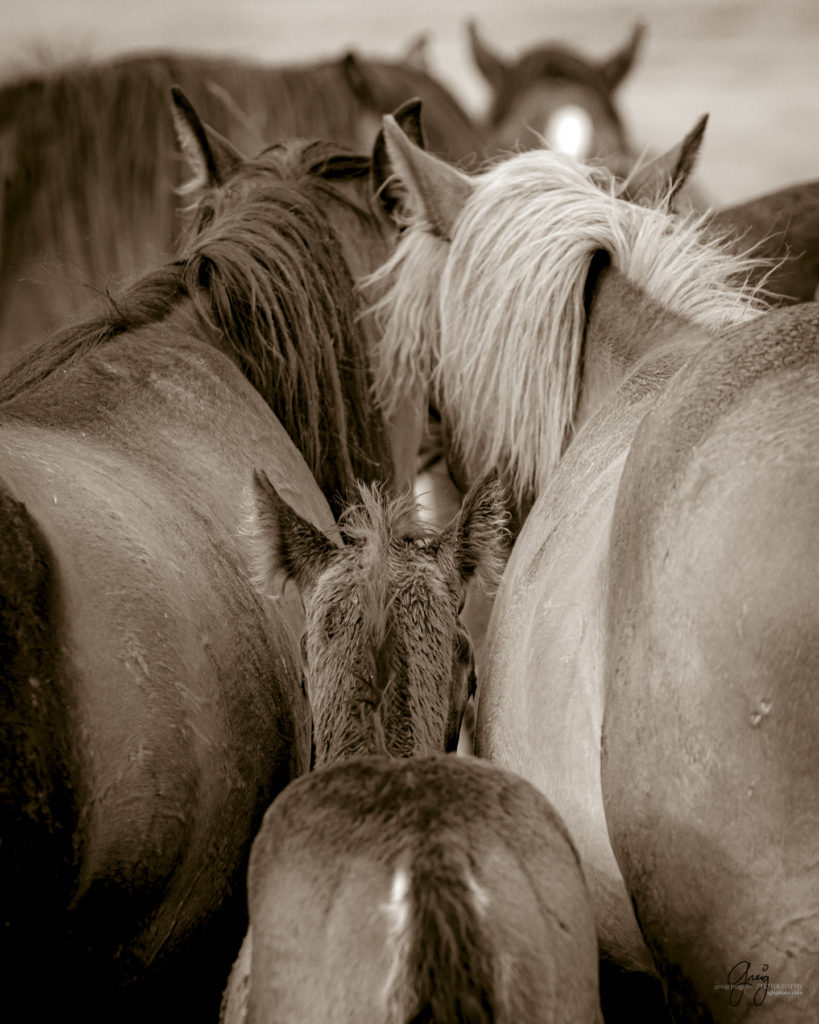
(449, 969)
(37, 808)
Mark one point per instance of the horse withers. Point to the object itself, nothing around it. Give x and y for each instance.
(654, 645)
(411, 885)
(151, 700)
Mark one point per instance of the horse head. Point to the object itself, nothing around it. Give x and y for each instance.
(491, 291)
(554, 94)
(387, 661)
(307, 228)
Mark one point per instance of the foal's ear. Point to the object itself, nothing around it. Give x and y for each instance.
(666, 174)
(435, 191)
(211, 157)
(390, 192)
(287, 546)
(618, 65)
(493, 68)
(479, 534)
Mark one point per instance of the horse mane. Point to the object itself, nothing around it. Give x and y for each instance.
(268, 282)
(495, 321)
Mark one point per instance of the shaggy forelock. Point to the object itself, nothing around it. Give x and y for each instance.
(494, 322)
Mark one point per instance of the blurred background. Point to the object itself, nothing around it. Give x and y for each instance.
(751, 63)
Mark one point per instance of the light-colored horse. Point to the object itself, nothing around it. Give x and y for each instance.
(654, 646)
(410, 885)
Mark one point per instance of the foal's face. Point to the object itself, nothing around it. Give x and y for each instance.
(384, 648)
(387, 660)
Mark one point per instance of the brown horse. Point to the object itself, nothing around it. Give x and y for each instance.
(784, 226)
(85, 199)
(151, 700)
(409, 886)
(551, 93)
(654, 645)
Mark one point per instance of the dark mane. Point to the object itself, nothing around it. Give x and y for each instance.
(270, 286)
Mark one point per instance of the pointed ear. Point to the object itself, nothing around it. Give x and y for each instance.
(287, 546)
(435, 191)
(666, 174)
(479, 534)
(417, 52)
(493, 68)
(211, 157)
(390, 192)
(359, 82)
(618, 65)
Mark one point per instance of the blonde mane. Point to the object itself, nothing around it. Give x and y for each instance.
(494, 321)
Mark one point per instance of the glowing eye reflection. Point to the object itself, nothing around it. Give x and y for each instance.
(569, 130)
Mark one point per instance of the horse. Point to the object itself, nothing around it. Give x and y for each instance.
(396, 882)
(652, 652)
(555, 94)
(151, 701)
(85, 201)
(782, 226)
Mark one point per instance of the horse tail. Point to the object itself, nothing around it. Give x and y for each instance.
(446, 970)
(38, 815)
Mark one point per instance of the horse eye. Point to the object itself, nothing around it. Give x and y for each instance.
(472, 685)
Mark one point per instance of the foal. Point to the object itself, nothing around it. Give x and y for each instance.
(408, 886)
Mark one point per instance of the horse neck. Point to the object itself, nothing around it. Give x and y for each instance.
(397, 726)
(623, 326)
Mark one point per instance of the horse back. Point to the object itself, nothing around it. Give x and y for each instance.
(713, 655)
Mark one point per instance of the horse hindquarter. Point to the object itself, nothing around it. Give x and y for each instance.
(156, 700)
(710, 761)
(541, 703)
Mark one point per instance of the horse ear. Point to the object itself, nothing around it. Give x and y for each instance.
(417, 52)
(493, 68)
(389, 191)
(435, 191)
(359, 81)
(210, 156)
(618, 65)
(479, 534)
(287, 546)
(666, 174)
